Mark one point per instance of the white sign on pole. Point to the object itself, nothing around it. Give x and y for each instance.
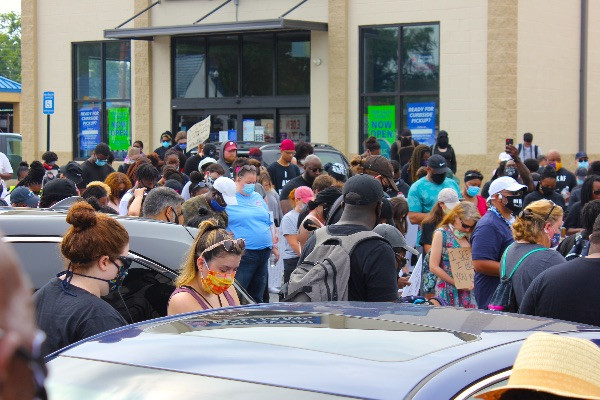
(198, 133)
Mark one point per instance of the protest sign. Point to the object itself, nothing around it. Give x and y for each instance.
(461, 265)
(198, 133)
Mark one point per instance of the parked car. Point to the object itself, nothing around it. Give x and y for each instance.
(11, 146)
(159, 248)
(302, 351)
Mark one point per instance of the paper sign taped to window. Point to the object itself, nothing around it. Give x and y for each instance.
(198, 133)
(461, 265)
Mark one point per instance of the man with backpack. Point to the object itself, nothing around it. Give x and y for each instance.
(346, 260)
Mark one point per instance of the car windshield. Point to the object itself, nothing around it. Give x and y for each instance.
(75, 378)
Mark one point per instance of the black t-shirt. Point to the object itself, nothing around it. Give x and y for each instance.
(281, 175)
(427, 234)
(291, 185)
(372, 266)
(564, 179)
(402, 187)
(573, 219)
(191, 164)
(91, 172)
(536, 195)
(567, 291)
(67, 319)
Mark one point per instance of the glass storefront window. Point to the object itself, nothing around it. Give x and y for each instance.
(293, 64)
(258, 128)
(190, 68)
(421, 58)
(223, 127)
(223, 66)
(257, 65)
(89, 71)
(295, 127)
(380, 47)
(118, 70)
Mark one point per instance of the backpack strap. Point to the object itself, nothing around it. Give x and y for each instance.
(351, 241)
(518, 263)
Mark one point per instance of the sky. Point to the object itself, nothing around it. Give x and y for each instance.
(10, 5)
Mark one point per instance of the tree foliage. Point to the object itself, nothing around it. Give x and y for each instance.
(10, 46)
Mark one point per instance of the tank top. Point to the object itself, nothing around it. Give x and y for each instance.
(198, 298)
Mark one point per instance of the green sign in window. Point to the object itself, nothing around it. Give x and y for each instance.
(382, 125)
(119, 128)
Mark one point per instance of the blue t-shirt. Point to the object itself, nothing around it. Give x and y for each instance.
(250, 220)
(423, 194)
(488, 242)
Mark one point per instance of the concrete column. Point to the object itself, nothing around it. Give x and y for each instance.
(338, 75)
(141, 52)
(501, 76)
(29, 81)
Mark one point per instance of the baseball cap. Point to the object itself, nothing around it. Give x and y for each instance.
(581, 154)
(395, 237)
(255, 153)
(438, 163)
(230, 146)
(226, 187)
(209, 150)
(22, 195)
(60, 187)
(361, 190)
(304, 193)
(504, 183)
(504, 156)
(449, 197)
(73, 172)
(206, 161)
(383, 167)
(337, 170)
(287, 144)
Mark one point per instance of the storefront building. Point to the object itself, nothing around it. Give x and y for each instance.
(326, 71)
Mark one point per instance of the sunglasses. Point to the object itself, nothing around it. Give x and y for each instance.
(597, 192)
(245, 168)
(465, 226)
(316, 169)
(127, 261)
(229, 245)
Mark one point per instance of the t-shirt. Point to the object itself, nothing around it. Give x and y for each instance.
(564, 179)
(289, 225)
(533, 265)
(67, 319)
(490, 238)
(373, 275)
(536, 195)
(91, 172)
(291, 185)
(250, 220)
(5, 168)
(281, 175)
(573, 219)
(426, 234)
(567, 291)
(423, 194)
(124, 203)
(402, 187)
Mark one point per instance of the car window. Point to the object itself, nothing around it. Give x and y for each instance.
(330, 157)
(74, 378)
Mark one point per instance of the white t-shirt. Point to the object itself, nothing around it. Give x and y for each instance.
(123, 205)
(5, 168)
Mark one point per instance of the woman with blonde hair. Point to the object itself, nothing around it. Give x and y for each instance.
(207, 275)
(536, 228)
(453, 233)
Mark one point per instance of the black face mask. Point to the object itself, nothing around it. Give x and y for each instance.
(406, 141)
(442, 142)
(438, 179)
(547, 191)
(512, 172)
(514, 204)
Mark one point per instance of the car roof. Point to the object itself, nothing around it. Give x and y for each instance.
(343, 348)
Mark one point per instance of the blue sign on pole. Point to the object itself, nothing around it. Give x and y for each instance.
(421, 121)
(48, 103)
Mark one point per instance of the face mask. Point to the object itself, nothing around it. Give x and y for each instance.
(512, 172)
(473, 191)
(514, 204)
(210, 180)
(458, 234)
(547, 191)
(558, 165)
(216, 206)
(583, 164)
(554, 239)
(249, 188)
(442, 142)
(579, 181)
(101, 163)
(438, 179)
(117, 281)
(216, 283)
(166, 144)
(182, 146)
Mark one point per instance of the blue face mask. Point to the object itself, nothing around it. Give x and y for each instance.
(216, 206)
(583, 164)
(249, 188)
(166, 144)
(101, 163)
(182, 146)
(579, 181)
(473, 191)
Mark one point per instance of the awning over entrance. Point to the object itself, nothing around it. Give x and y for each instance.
(277, 24)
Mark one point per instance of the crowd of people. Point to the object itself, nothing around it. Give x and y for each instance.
(533, 226)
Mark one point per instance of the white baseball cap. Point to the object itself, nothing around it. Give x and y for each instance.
(206, 160)
(504, 183)
(449, 197)
(226, 187)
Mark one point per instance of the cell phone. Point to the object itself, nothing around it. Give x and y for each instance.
(509, 142)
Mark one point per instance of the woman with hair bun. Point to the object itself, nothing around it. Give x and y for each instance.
(207, 275)
(69, 307)
(536, 228)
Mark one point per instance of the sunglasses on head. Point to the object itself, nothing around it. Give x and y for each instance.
(228, 244)
(245, 168)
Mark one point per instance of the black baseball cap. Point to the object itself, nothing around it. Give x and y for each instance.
(361, 190)
(73, 172)
(60, 187)
(438, 163)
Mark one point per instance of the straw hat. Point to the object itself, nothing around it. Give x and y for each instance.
(563, 366)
